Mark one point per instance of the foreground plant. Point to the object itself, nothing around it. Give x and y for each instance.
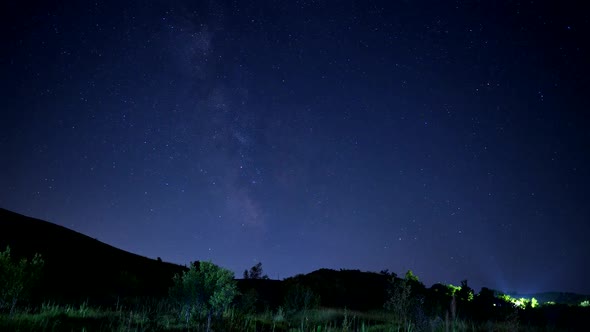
(17, 279)
(205, 290)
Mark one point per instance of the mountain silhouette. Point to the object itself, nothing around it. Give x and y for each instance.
(80, 268)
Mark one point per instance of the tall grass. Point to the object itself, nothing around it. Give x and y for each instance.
(161, 315)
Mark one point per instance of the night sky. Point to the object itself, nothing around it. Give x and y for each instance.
(446, 137)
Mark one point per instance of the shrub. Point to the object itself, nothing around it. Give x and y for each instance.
(17, 279)
(300, 298)
(399, 302)
(204, 290)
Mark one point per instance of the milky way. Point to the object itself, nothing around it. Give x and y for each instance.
(446, 138)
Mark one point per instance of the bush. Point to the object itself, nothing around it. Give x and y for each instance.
(300, 298)
(400, 300)
(406, 299)
(17, 279)
(205, 290)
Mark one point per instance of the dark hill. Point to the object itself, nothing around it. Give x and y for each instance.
(352, 289)
(78, 267)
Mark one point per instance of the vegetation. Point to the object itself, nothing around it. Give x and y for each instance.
(255, 272)
(17, 279)
(205, 290)
(205, 297)
(521, 303)
(400, 300)
(125, 292)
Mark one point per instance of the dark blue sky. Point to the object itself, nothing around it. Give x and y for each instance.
(446, 137)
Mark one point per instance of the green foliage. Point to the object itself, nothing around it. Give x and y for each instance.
(399, 302)
(416, 286)
(204, 290)
(346, 323)
(520, 303)
(300, 298)
(148, 315)
(410, 276)
(452, 289)
(248, 301)
(201, 297)
(17, 279)
(406, 301)
(585, 303)
(465, 293)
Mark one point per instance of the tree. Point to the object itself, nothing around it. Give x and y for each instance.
(418, 290)
(387, 273)
(411, 277)
(462, 297)
(204, 290)
(17, 278)
(465, 293)
(255, 272)
(248, 301)
(399, 301)
(406, 297)
(484, 305)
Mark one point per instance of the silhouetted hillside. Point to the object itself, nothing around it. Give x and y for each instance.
(78, 267)
(266, 292)
(352, 289)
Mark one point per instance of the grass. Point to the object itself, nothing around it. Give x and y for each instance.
(149, 315)
(52, 317)
(161, 317)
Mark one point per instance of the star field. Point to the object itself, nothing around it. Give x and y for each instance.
(445, 137)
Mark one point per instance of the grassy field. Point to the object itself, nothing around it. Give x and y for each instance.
(162, 316)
